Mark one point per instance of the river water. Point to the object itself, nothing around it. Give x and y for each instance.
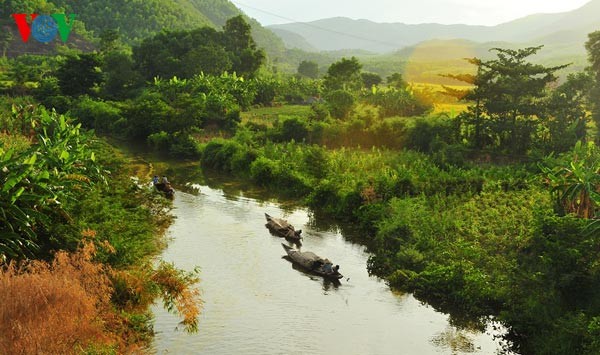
(256, 302)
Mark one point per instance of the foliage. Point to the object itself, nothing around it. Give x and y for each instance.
(184, 54)
(370, 79)
(344, 75)
(568, 114)
(79, 75)
(340, 103)
(135, 21)
(33, 181)
(104, 117)
(397, 102)
(397, 81)
(308, 69)
(576, 185)
(593, 49)
(509, 96)
(120, 78)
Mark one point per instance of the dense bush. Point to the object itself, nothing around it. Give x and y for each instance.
(397, 102)
(340, 103)
(102, 116)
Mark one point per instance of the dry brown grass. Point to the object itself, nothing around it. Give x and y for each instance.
(55, 308)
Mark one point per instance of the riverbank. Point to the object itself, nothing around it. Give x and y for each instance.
(255, 301)
(86, 277)
(473, 240)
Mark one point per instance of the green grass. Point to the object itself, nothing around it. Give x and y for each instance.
(269, 114)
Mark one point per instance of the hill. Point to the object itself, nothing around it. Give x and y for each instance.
(566, 30)
(139, 19)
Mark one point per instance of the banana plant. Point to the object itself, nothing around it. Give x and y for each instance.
(37, 182)
(576, 184)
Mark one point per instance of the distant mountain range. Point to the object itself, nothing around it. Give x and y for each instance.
(563, 33)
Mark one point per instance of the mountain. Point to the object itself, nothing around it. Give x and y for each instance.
(568, 30)
(139, 19)
(293, 40)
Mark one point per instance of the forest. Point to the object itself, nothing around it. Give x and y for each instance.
(480, 197)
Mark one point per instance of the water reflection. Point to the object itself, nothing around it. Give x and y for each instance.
(254, 300)
(455, 340)
(328, 284)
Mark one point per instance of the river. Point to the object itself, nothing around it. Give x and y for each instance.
(256, 302)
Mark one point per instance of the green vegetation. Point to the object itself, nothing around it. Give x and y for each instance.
(203, 50)
(64, 199)
(489, 212)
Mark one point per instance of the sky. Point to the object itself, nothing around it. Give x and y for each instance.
(472, 12)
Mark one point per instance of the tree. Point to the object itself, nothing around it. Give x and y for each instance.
(188, 53)
(344, 75)
(308, 69)
(370, 80)
(509, 96)
(396, 80)
(209, 59)
(237, 37)
(593, 49)
(567, 113)
(109, 40)
(120, 78)
(78, 75)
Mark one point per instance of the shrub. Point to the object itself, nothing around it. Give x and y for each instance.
(219, 153)
(294, 129)
(318, 112)
(340, 103)
(159, 141)
(184, 146)
(99, 115)
(266, 89)
(430, 133)
(55, 308)
(397, 102)
(263, 170)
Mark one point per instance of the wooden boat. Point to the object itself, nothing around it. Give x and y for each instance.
(282, 228)
(166, 189)
(314, 263)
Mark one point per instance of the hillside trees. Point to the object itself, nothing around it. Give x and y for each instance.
(308, 69)
(370, 79)
(344, 74)
(567, 113)
(187, 53)
(593, 49)
(238, 41)
(78, 75)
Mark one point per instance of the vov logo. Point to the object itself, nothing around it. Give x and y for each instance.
(44, 28)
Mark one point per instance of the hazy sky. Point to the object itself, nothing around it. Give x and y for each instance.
(476, 12)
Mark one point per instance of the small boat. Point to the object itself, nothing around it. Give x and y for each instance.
(314, 263)
(282, 228)
(166, 189)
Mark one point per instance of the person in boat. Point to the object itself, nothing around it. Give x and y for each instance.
(155, 180)
(165, 180)
(317, 264)
(327, 268)
(336, 269)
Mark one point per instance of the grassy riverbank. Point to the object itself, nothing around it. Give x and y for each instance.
(79, 243)
(475, 240)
